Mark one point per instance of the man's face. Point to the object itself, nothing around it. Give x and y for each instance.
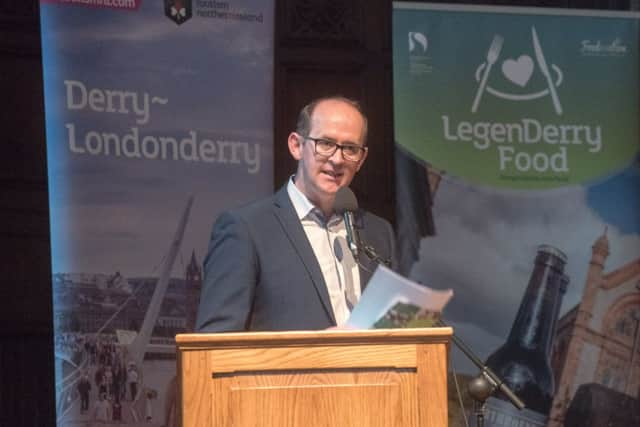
(320, 177)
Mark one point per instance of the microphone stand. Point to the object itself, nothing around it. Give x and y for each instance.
(485, 384)
(356, 244)
(371, 253)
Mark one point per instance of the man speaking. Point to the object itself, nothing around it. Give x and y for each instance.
(284, 263)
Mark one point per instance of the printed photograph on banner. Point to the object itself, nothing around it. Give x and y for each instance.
(158, 117)
(518, 186)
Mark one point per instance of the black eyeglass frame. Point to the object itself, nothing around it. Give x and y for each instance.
(336, 146)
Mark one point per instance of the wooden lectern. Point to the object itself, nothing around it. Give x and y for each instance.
(384, 377)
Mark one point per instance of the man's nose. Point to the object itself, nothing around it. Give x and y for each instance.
(337, 156)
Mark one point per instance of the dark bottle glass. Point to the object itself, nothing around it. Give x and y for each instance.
(523, 361)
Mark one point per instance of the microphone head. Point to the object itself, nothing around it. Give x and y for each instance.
(345, 201)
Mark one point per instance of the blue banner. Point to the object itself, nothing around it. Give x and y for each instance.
(158, 116)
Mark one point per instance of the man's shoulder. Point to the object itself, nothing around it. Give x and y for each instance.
(366, 219)
(254, 208)
(254, 211)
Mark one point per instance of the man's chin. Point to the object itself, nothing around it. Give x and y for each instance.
(331, 185)
(332, 189)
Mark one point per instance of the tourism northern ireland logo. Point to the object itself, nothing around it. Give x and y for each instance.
(179, 11)
(519, 71)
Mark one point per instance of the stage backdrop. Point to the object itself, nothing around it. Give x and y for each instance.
(158, 115)
(519, 187)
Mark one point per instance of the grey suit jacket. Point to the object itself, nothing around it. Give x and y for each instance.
(260, 272)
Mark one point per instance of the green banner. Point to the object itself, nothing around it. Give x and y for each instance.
(516, 100)
(518, 186)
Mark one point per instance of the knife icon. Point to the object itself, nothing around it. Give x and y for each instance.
(545, 70)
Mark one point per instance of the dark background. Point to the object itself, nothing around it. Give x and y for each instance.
(322, 47)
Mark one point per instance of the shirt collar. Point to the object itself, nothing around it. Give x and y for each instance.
(303, 206)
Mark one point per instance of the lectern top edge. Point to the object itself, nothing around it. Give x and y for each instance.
(332, 336)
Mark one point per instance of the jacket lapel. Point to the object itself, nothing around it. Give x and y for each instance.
(292, 228)
(366, 267)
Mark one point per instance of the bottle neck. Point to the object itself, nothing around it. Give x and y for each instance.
(538, 313)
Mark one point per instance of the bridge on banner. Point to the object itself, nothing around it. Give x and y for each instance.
(126, 377)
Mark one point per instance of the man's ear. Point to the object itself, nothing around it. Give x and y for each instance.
(295, 145)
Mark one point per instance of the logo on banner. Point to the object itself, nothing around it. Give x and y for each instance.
(598, 48)
(522, 114)
(106, 4)
(419, 61)
(417, 39)
(179, 11)
(519, 72)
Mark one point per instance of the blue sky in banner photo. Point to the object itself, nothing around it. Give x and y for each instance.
(217, 77)
(617, 199)
(486, 244)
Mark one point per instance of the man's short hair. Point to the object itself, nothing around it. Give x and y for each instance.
(303, 125)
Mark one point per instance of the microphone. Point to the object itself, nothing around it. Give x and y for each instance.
(345, 204)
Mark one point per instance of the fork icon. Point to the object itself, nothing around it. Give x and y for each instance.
(492, 56)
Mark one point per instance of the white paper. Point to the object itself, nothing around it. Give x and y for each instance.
(391, 300)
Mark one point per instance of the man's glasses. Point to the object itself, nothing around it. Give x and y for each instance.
(326, 148)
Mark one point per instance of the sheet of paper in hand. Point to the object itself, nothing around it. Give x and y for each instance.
(393, 301)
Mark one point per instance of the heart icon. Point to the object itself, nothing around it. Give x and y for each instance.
(518, 71)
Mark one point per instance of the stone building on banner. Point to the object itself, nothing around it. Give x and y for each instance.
(596, 357)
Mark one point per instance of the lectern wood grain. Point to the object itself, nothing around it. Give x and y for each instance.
(327, 378)
(347, 406)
